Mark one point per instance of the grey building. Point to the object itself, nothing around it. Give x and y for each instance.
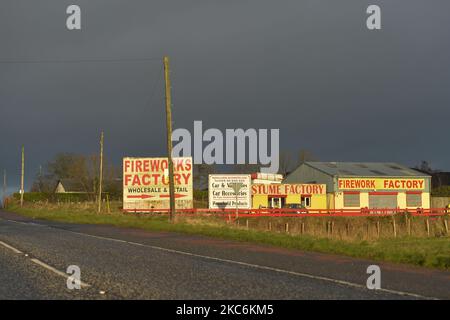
(353, 185)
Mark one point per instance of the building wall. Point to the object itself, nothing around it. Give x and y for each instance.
(318, 201)
(364, 200)
(60, 188)
(293, 198)
(426, 200)
(330, 201)
(440, 202)
(260, 201)
(335, 197)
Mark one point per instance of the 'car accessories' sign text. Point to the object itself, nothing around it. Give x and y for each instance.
(222, 194)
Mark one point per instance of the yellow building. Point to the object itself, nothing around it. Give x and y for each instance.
(366, 185)
(310, 196)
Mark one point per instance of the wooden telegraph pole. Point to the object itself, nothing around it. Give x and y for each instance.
(169, 137)
(22, 177)
(100, 180)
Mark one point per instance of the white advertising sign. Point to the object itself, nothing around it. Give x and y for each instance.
(222, 194)
(146, 183)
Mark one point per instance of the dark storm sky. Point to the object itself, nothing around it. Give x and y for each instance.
(308, 67)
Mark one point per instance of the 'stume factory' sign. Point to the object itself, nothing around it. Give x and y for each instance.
(288, 189)
(146, 183)
(222, 195)
(381, 184)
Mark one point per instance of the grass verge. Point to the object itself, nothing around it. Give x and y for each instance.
(428, 252)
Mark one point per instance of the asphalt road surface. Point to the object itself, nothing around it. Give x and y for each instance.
(121, 263)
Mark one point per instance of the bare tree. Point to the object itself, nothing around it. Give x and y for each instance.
(305, 155)
(286, 163)
(246, 168)
(82, 168)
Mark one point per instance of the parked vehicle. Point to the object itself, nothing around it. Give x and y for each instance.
(301, 208)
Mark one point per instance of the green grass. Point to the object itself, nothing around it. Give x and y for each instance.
(431, 252)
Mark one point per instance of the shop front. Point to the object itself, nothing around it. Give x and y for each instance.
(310, 196)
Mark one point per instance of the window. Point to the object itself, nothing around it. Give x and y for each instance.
(414, 200)
(382, 200)
(351, 200)
(276, 202)
(306, 201)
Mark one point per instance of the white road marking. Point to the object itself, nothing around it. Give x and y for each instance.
(43, 264)
(10, 247)
(255, 266)
(250, 265)
(56, 271)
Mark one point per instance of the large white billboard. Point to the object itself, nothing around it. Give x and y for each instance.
(222, 195)
(146, 183)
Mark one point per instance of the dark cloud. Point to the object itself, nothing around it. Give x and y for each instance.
(310, 68)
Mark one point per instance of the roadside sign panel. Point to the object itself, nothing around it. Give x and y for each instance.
(288, 189)
(222, 195)
(146, 183)
(381, 184)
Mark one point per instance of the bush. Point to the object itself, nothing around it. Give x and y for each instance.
(201, 195)
(54, 197)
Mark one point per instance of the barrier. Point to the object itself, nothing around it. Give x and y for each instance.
(299, 213)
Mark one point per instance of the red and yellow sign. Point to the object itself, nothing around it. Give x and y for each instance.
(381, 184)
(288, 189)
(146, 180)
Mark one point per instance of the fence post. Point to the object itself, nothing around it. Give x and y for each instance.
(428, 227)
(394, 227)
(446, 225)
(408, 225)
(303, 227)
(107, 203)
(378, 228)
(246, 224)
(287, 227)
(270, 225)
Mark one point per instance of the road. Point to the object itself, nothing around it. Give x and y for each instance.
(121, 263)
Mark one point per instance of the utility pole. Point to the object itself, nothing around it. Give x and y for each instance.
(4, 189)
(22, 178)
(101, 175)
(169, 138)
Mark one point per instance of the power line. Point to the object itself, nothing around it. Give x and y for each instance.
(79, 61)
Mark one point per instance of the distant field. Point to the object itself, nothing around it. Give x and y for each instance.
(433, 251)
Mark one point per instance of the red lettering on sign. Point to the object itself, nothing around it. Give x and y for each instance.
(188, 165)
(126, 165)
(146, 180)
(146, 166)
(136, 181)
(186, 177)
